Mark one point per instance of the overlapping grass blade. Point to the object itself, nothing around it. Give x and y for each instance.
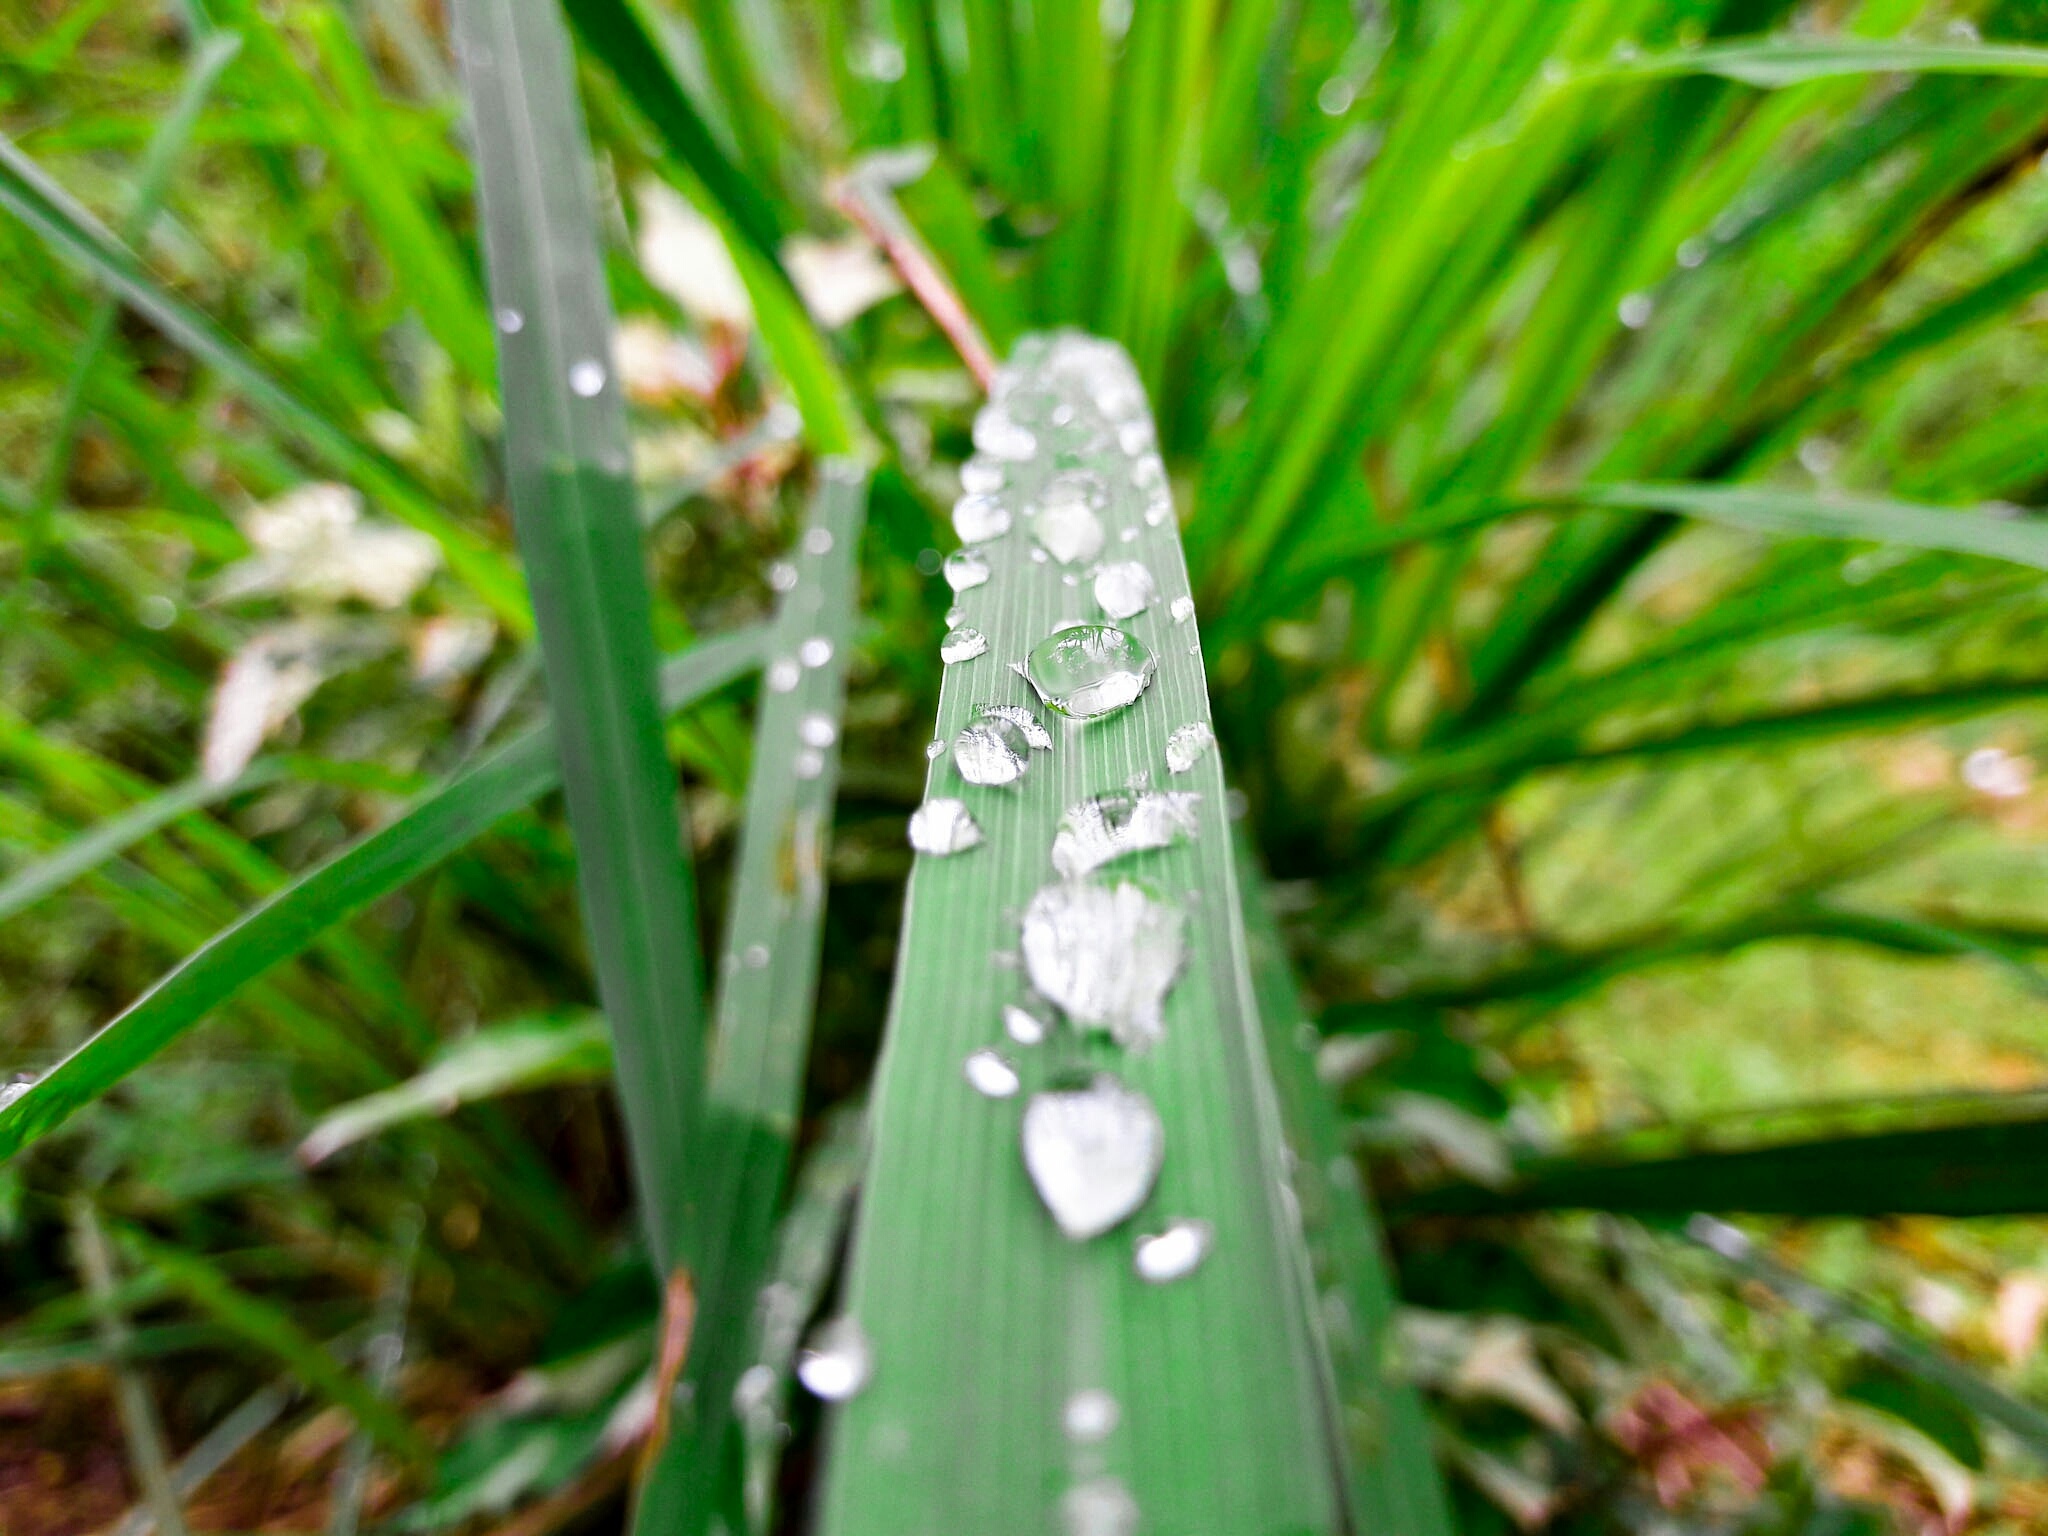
(570, 473)
(767, 984)
(958, 1276)
(415, 841)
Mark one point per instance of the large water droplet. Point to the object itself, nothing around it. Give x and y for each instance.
(977, 519)
(1024, 720)
(1102, 1506)
(1173, 1254)
(1066, 526)
(1089, 1415)
(1111, 826)
(586, 377)
(1093, 1154)
(1089, 670)
(1022, 1025)
(965, 568)
(989, 1074)
(1184, 748)
(1182, 608)
(837, 1362)
(962, 645)
(15, 1087)
(1124, 589)
(817, 729)
(943, 826)
(1000, 436)
(982, 477)
(991, 752)
(1108, 955)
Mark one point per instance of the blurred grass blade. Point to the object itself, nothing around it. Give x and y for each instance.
(574, 509)
(1873, 1335)
(271, 1329)
(512, 1057)
(968, 1291)
(867, 194)
(767, 988)
(1382, 1432)
(350, 1484)
(1791, 59)
(420, 837)
(59, 219)
(216, 1448)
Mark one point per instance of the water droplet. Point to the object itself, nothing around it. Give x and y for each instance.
(977, 519)
(943, 826)
(1090, 1414)
(1102, 1506)
(1000, 436)
(815, 652)
(962, 645)
(1134, 437)
(1022, 1025)
(784, 673)
(1108, 827)
(1182, 608)
(1093, 1154)
(934, 750)
(1108, 955)
(1692, 252)
(965, 568)
(817, 730)
(1634, 310)
(510, 321)
(991, 752)
(981, 477)
(1124, 589)
(586, 377)
(755, 956)
(1184, 748)
(1066, 526)
(782, 576)
(818, 541)
(754, 1391)
(15, 1087)
(987, 1073)
(1039, 556)
(1089, 670)
(1129, 535)
(1024, 720)
(1149, 472)
(809, 764)
(838, 1361)
(1157, 514)
(1173, 1254)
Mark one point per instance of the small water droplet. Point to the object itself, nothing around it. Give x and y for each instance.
(978, 519)
(962, 645)
(1157, 513)
(1024, 720)
(1000, 437)
(1022, 1025)
(1039, 556)
(1124, 589)
(15, 1087)
(510, 321)
(784, 673)
(934, 750)
(817, 730)
(815, 652)
(1134, 437)
(1129, 535)
(965, 568)
(1182, 608)
(943, 826)
(754, 956)
(981, 477)
(1066, 526)
(1089, 670)
(586, 377)
(1107, 827)
(1634, 310)
(818, 541)
(782, 576)
(1102, 1506)
(1692, 252)
(1184, 748)
(810, 763)
(956, 616)
(1090, 1415)
(987, 1073)
(1093, 1154)
(837, 1362)
(1149, 472)
(1173, 1254)
(754, 1391)
(991, 752)
(1108, 955)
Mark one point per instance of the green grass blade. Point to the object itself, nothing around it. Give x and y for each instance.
(1383, 1433)
(768, 969)
(47, 209)
(512, 1057)
(575, 512)
(1789, 59)
(422, 836)
(968, 1291)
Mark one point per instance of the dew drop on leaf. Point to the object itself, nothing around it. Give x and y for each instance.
(809, 763)
(1174, 1253)
(815, 652)
(1102, 1506)
(1093, 1154)
(978, 519)
(511, 322)
(782, 576)
(965, 569)
(999, 436)
(962, 645)
(1106, 954)
(837, 1361)
(1066, 526)
(1124, 589)
(991, 752)
(586, 377)
(1184, 748)
(1024, 720)
(988, 1074)
(1022, 1025)
(1090, 1415)
(934, 750)
(817, 730)
(1107, 827)
(981, 477)
(784, 673)
(1087, 671)
(1182, 608)
(943, 826)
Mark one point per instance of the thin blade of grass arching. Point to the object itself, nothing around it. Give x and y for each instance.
(432, 828)
(768, 971)
(1172, 1382)
(1382, 1432)
(570, 477)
